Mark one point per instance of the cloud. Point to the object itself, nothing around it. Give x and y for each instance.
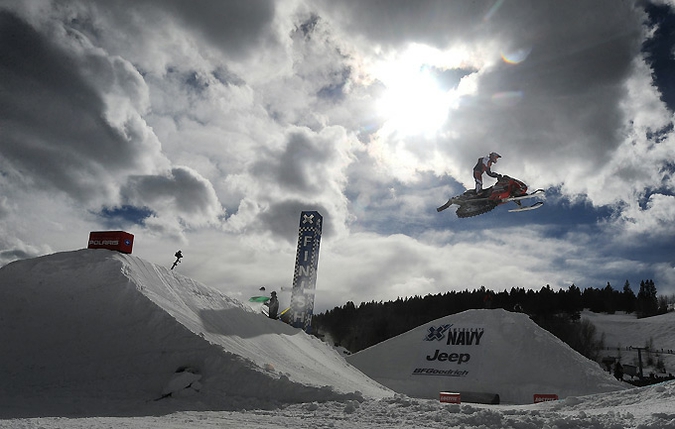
(236, 27)
(309, 164)
(281, 219)
(308, 173)
(16, 250)
(570, 109)
(213, 124)
(654, 221)
(63, 126)
(388, 267)
(182, 193)
(395, 23)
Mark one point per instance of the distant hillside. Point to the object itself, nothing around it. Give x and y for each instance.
(359, 327)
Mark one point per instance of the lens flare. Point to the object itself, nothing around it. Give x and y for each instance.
(516, 56)
(507, 98)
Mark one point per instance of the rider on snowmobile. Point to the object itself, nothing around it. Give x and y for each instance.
(483, 166)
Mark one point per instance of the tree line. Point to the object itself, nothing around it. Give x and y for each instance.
(358, 327)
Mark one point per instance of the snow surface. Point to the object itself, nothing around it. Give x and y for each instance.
(513, 358)
(621, 332)
(97, 339)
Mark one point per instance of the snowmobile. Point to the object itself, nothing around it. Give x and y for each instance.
(505, 190)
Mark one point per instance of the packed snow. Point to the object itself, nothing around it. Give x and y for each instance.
(98, 339)
(495, 352)
(622, 334)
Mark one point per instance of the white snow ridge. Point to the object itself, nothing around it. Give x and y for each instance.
(506, 356)
(95, 331)
(94, 339)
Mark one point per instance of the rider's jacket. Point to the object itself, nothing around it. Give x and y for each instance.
(483, 166)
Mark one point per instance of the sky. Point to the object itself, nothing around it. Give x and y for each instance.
(208, 127)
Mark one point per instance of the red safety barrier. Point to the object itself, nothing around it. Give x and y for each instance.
(545, 397)
(450, 397)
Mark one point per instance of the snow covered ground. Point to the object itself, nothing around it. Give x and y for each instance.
(502, 353)
(622, 333)
(97, 339)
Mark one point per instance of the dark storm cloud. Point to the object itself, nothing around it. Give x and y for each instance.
(577, 91)
(394, 22)
(233, 26)
(52, 125)
(183, 191)
(296, 165)
(302, 166)
(659, 50)
(282, 219)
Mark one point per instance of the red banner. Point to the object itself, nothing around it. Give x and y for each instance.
(113, 240)
(451, 398)
(545, 397)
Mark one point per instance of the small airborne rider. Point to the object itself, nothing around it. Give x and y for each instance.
(483, 166)
(477, 201)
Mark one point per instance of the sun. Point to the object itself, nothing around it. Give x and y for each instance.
(414, 101)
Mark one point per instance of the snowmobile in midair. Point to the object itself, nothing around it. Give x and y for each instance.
(505, 190)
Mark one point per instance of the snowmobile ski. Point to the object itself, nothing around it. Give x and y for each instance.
(522, 197)
(527, 208)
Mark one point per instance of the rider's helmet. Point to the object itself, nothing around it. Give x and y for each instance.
(494, 156)
(273, 293)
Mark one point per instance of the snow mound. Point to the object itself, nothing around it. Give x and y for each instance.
(480, 354)
(95, 331)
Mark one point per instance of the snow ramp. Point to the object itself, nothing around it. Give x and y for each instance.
(481, 354)
(97, 332)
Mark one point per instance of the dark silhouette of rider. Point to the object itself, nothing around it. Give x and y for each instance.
(179, 256)
(273, 305)
(484, 165)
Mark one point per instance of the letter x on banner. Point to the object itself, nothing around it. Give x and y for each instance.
(306, 264)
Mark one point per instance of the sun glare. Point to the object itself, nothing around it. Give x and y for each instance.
(413, 102)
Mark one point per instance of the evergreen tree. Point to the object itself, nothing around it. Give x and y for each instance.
(358, 327)
(570, 301)
(627, 302)
(609, 298)
(647, 302)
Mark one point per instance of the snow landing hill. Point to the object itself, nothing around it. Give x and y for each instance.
(96, 332)
(99, 333)
(481, 354)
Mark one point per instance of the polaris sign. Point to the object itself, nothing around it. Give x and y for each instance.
(306, 264)
(112, 240)
(450, 351)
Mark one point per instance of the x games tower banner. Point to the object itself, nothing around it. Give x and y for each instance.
(306, 263)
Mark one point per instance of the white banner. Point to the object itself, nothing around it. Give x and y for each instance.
(450, 351)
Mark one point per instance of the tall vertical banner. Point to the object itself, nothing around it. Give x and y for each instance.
(306, 264)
